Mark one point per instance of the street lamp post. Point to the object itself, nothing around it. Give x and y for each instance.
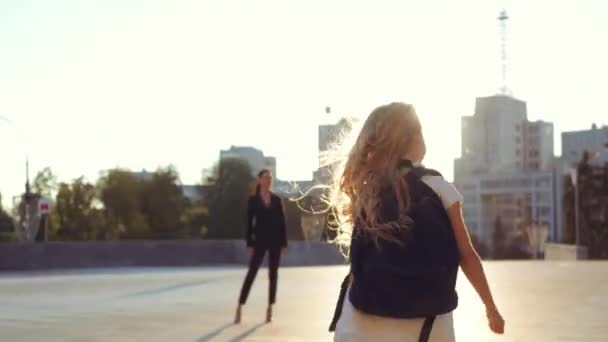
(574, 178)
(28, 193)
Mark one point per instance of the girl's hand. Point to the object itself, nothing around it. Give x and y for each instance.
(495, 321)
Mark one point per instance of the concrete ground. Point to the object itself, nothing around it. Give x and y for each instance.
(541, 301)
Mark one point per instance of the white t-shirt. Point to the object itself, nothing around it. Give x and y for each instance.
(446, 191)
(356, 326)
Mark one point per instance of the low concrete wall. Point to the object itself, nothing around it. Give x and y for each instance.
(560, 251)
(53, 255)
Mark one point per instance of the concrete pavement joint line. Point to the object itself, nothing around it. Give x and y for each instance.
(62, 273)
(174, 287)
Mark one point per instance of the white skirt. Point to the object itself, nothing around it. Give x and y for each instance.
(356, 326)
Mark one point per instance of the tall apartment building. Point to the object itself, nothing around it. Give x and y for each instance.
(254, 157)
(329, 135)
(506, 169)
(499, 138)
(594, 141)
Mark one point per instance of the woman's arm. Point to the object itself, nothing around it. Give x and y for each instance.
(250, 217)
(472, 268)
(469, 259)
(283, 224)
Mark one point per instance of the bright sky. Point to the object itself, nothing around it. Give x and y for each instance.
(142, 83)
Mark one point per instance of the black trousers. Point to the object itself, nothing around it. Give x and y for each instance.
(274, 258)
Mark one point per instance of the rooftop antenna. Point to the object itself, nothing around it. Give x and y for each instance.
(502, 18)
(27, 177)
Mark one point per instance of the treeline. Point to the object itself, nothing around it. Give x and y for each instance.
(592, 202)
(128, 205)
(6, 223)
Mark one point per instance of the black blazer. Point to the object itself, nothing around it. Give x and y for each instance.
(266, 226)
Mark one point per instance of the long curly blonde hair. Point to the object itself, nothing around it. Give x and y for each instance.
(371, 168)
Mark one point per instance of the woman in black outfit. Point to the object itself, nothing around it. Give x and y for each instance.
(266, 231)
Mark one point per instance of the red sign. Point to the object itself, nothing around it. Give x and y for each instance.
(44, 207)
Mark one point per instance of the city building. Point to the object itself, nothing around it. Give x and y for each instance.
(499, 138)
(538, 149)
(329, 135)
(197, 194)
(254, 157)
(507, 170)
(517, 199)
(574, 145)
(492, 137)
(593, 141)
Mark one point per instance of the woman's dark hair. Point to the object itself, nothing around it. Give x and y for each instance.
(263, 172)
(260, 175)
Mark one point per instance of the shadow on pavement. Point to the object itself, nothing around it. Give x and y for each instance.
(214, 333)
(245, 334)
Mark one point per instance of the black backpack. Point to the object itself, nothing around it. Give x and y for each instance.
(414, 278)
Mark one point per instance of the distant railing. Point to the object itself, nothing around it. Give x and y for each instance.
(560, 251)
(174, 253)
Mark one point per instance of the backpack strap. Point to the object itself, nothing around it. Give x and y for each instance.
(422, 171)
(425, 333)
(417, 171)
(340, 303)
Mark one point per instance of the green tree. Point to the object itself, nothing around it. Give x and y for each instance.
(592, 185)
(7, 224)
(568, 212)
(228, 199)
(293, 220)
(45, 183)
(163, 205)
(151, 207)
(585, 191)
(196, 221)
(498, 239)
(77, 215)
(120, 192)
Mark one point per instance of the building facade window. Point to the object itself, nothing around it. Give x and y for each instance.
(543, 181)
(469, 187)
(506, 182)
(543, 197)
